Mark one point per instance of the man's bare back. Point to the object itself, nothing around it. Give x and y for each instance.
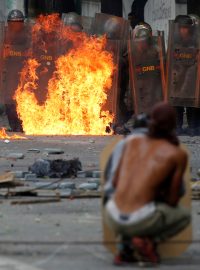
(146, 165)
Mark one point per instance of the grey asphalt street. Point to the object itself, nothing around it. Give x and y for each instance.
(54, 229)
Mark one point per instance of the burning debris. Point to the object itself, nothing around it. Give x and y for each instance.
(78, 89)
(58, 168)
(4, 136)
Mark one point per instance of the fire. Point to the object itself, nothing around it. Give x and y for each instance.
(4, 135)
(77, 90)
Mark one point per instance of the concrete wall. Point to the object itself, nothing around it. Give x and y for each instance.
(2, 10)
(159, 12)
(89, 8)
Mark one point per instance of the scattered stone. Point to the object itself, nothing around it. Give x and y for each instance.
(96, 174)
(46, 185)
(7, 141)
(82, 174)
(31, 177)
(91, 141)
(16, 155)
(93, 174)
(66, 193)
(95, 180)
(19, 174)
(33, 150)
(54, 151)
(88, 186)
(69, 185)
(37, 220)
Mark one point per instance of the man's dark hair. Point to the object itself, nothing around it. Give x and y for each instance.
(162, 124)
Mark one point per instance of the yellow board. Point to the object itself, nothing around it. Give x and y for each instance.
(166, 250)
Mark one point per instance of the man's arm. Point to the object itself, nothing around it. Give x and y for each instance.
(174, 191)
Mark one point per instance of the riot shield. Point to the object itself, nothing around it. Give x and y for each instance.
(147, 77)
(2, 28)
(17, 49)
(117, 31)
(183, 66)
(112, 103)
(46, 48)
(84, 21)
(87, 24)
(116, 28)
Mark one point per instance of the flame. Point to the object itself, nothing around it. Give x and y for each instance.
(77, 90)
(4, 135)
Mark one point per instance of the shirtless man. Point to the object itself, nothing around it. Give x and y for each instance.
(147, 184)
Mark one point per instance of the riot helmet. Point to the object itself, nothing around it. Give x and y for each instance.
(142, 32)
(146, 25)
(73, 20)
(112, 28)
(184, 23)
(141, 121)
(71, 17)
(195, 18)
(15, 15)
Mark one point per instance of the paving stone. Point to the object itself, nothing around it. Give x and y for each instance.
(82, 174)
(16, 155)
(19, 174)
(33, 150)
(95, 180)
(46, 185)
(54, 151)
(31, 177)
(96, 174)
(88, 186)
(49, 186)
(69, 185)
(66, 193)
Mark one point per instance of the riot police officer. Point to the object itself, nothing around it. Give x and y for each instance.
(187, 40)
(16, 48)
(147, 71)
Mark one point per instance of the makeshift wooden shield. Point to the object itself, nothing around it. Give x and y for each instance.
(175, 246)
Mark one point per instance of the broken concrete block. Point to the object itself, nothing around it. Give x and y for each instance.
(46, 185)
(54, 151)
(19, 174)
(88, 186)
(33, 150)
(66, 193)
(69, 185)
(92, 174)
(31, 177)
(95, 180)
(96, 174)
(16, 155)
(82, 174)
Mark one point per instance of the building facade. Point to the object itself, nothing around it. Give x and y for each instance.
(159, 12)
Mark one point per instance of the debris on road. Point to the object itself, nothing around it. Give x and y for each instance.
(54, 151)
(35, 201)
(33, 151)
(15, 156)
(7, 180)
(89, 186)
(58, 168)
